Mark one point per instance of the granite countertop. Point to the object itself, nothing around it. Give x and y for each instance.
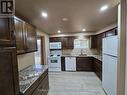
(99, 57)
(29, 75)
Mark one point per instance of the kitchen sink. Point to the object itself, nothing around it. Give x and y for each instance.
(82, 55)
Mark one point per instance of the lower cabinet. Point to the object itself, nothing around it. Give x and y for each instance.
(43, 87)
(9, 83)
(84, 64)
(89, 64)
(98, 68)
(63, 63)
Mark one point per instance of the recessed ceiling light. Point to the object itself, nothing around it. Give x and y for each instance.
(44, 14)
(65, 19)
(103, 8)
(59, 31)
(84, 29)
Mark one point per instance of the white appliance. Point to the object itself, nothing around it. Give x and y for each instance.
(54, 60)
(109, 58)
(55, 45)
(70, 63)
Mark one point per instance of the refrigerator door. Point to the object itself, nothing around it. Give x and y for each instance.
(112, 75)
(110, 45)
(105, 73)
(104, 45)
(109, 74)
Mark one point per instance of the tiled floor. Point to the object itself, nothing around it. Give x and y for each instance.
(74, 83)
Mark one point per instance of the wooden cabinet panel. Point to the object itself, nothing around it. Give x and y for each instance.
(63, 63)
(43, 87)
(111, 32)
(64, 42)
(84, 64)
(7, 32)
(8, 72)
(20, 35)
(93, 41)
(98, 68)
(70, 42)
(31, 38)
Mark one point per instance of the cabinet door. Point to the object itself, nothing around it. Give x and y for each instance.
(31, 38)
(9, 84)
(43, 87)
(64, 42)
(98, 68)
(6, 32)
(94, 41)
(70, 43)
(84, 64)
(20, 36)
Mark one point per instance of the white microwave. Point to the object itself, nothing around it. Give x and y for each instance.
(55, 45)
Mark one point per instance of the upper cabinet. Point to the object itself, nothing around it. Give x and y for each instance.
(31, 38)
(112, 32)
(20, 35)
(7, 32)
(96, 40)
(15, 32)
(25, 35)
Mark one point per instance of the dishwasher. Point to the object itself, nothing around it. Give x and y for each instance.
(70, 63)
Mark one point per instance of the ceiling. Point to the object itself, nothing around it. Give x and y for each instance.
(80, 13)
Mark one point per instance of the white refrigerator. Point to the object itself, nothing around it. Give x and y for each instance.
(109, 58)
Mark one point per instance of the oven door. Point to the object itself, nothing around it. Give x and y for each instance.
(54, 62)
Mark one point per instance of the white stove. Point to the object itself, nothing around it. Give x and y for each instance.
(54, 60)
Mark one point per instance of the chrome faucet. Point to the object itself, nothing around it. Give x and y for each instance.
(81, 52)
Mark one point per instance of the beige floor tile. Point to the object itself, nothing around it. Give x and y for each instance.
(74, 83)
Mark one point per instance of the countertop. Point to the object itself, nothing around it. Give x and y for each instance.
(99, 57)
(29, 75)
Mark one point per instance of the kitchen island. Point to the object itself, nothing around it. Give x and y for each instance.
(33, 80)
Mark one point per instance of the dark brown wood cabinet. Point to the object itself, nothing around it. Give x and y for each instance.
(93, 41)
(63, 63)
(31, 38)
(9, 84)
(98, 68)
(7, 32)
(99, 40)
(20, 35)
(96, 40)
(84, 63)
(111, 32)
(25, 36)
(43, 87)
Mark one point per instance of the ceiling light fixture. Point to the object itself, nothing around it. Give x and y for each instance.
(65, 19)
(59, 31)
(103, 8)
(44, 14)
(84, 29)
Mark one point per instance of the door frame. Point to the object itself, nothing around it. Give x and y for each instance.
(122, 18)
(42, 48)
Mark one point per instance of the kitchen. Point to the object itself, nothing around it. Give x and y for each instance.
(64, 50)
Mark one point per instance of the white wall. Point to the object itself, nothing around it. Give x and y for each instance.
(25, 60)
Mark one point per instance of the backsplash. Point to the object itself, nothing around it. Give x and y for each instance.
(78, 52)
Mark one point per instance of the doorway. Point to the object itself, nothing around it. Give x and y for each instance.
(39, 54)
